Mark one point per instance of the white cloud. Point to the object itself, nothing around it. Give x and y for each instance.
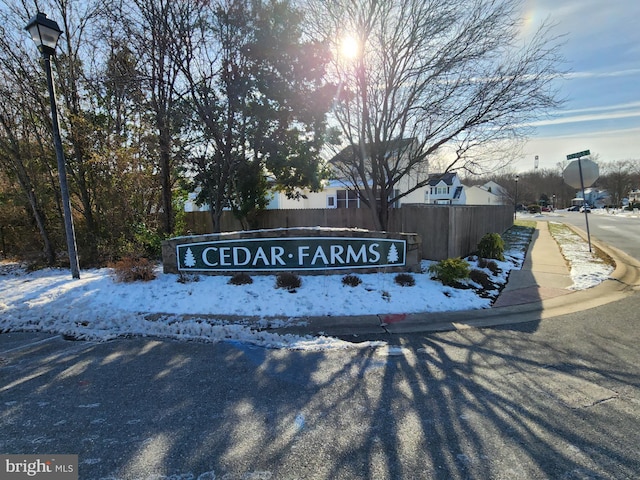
(602, 74)
(610, 145)
(604, 108)
(587, 118)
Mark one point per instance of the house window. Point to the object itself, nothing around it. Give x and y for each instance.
(347, 199)
(395, 204)
(442, 190)
(391, 195)
(331, 201)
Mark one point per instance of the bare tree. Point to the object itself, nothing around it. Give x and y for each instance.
(618, 179)
(24, 159)
(454, 76)
(149, 31)
(21, 160)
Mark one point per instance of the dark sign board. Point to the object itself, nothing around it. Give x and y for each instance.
(299, 253)
(586, 153)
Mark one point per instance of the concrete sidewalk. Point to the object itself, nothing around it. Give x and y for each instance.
(544, 274)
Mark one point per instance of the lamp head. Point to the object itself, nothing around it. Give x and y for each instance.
(45, 32)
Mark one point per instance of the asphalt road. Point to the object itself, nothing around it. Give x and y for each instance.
(552, 399)
(618, 231)
(558, 398)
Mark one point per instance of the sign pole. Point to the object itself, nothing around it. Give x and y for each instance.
(584, 198)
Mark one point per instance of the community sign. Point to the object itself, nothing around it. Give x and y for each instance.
(297, 253)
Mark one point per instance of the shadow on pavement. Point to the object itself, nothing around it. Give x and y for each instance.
(467, 404)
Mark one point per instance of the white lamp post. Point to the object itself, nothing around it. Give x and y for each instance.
(45, 33)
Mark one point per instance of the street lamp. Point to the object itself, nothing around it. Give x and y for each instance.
(45, 33)
(515, 201)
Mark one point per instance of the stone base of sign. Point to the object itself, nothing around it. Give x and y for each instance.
(412, 260)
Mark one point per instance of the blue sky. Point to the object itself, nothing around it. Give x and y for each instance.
(602, 90)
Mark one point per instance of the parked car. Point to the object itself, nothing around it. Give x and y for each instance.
(585, 208)
(575, 208)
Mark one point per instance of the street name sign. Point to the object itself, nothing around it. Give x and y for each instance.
(585, 153)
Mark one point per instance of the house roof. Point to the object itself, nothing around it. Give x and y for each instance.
(350, 152)
(436, 178)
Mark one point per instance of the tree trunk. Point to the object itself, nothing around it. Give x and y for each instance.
(15, 163)
(165, 173)
(39, 218)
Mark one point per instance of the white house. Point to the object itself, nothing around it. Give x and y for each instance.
(440, 189)
(190, 204)
(488, 194)
(333, 195)
(444, 189)
(593, 196)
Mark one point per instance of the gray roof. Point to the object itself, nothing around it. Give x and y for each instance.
(436, 178)
(350, 152)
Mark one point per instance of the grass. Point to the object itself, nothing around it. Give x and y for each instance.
(567, 238)
(525, 223)
(518, 237)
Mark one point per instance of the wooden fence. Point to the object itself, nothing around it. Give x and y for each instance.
(447, 231)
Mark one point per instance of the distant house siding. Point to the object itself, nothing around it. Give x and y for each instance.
(480, 196)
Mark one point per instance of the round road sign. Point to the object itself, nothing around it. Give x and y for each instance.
(590, 173)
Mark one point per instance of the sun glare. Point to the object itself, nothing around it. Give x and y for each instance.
(349, 47)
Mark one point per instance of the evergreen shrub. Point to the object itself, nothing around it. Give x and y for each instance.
(491, 245)
(534, 208)
(450, 270)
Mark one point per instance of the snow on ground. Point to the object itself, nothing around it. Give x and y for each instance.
(587, 269)
(97, 307)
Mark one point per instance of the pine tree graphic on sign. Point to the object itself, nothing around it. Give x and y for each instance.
(189, 259)
(392, 256)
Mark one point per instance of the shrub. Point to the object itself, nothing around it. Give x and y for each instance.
(493, 267)
(534, 208)
(450, 271)
(490, 264)
(288, 281)
(149, 240)
(487, 289)
(131, 269)
(188, 277)
(491, 245)
(351, 280)
(405, 280)
(481, 278)
(240, 278)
